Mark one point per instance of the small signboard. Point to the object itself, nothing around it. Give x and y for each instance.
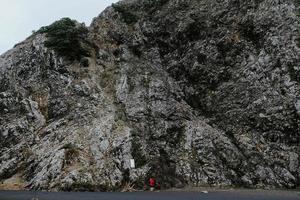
(132, 163)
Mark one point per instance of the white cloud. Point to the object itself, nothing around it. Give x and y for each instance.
(19, 17)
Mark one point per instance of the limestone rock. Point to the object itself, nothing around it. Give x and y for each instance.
(197, 92)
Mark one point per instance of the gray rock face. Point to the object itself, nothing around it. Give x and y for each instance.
(197, 92)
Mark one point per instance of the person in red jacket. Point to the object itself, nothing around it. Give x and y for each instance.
(152, 184)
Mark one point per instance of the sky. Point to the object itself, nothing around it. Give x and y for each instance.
(18, 18)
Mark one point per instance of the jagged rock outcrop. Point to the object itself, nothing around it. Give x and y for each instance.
(198, 92)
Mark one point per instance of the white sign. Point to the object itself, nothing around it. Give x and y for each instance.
(132, 163)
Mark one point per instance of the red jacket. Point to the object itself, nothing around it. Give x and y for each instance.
(152, 182)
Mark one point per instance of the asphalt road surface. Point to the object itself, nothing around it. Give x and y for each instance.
(211, 195)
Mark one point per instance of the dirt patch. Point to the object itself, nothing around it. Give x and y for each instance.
(14, 183)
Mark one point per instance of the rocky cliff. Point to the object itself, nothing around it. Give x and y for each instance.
(198, 92)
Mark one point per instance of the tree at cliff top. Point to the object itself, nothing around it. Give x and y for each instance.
(67, 38)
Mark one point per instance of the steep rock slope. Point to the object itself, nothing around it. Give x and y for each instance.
(198, 92)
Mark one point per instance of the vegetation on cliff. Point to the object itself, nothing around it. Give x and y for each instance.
(67, 38)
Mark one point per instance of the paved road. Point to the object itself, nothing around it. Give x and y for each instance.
(212, 195)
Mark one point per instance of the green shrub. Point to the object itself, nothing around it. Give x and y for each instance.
(67, 38)
(152, 5)
(71, 153)
(127, 16)
(84, 62)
